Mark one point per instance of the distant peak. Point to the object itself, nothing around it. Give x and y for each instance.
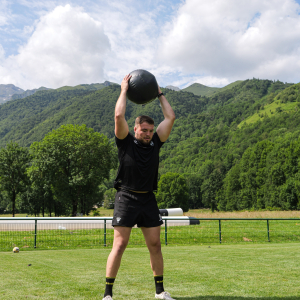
(174, 88)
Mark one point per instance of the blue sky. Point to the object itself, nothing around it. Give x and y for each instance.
(213, 42)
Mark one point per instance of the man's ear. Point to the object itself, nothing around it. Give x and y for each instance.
(134, 129)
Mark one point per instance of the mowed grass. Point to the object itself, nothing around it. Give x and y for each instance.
(215, 272)
(260, 214)
(202, 213)
(207, 232)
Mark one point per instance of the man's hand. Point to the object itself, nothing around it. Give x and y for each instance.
(125, 84)
(159, 90)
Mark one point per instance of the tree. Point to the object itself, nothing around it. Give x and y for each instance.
(173, 192)
(109, 198)
(75, 160)
(38, 196)
(13, 178)
(194, 182)
(4, 204)
(210, 188)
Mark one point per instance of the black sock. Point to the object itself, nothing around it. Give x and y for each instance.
(109, 285)
(159, 283)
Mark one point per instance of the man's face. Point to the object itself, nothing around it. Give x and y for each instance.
(144, 132)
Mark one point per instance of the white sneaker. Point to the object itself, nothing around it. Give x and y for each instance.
(107, 298)
(164, 295)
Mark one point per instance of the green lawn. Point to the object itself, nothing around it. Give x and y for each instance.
(215, 272)
(232, 231)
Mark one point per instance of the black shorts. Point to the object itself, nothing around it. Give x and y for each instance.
(136, 209)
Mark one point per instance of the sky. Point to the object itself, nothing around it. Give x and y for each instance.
(212, 42)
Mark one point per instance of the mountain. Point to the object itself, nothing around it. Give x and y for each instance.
(203, 90)
(11, 92)
(239, 148)
(29, 119)
(27, 93)
(90, 87)
(7, 90)
(200, 89)
(174, 88)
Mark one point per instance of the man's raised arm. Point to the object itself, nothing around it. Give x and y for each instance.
(121, 126)
(164, 128)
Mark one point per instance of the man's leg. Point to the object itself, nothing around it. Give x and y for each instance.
(121, 238)
(152, 238)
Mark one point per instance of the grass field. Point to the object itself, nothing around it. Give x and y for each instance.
(206, 213)
(260, 214)
(206, 233)
(215, 272)
(232, 231)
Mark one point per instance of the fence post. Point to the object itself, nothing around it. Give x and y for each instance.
(35, 232)
(105, 233)
(268, 230)
(166, 233)
(220, 232)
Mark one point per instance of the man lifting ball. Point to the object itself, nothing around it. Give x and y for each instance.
(136, 180)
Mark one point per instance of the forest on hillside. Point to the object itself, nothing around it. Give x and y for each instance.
(237, 149)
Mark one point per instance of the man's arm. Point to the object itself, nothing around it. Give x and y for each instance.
(121, 126)
(164, 128)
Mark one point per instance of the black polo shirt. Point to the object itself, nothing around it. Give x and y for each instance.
(138, 169)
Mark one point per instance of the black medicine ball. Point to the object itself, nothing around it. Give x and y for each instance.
(142, 88)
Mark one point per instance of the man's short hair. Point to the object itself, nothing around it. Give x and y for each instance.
(141, 119)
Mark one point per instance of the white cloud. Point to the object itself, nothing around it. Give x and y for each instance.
(234, 39)
(4, 12)
(67, 47)
(132, 34)
(213, 42)
(2, 53)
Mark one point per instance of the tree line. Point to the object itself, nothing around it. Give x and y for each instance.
(60, 175)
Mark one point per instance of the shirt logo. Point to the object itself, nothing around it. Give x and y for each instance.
(136, 141)
(151, 143)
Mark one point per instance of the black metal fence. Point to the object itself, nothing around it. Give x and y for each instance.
(61, 233)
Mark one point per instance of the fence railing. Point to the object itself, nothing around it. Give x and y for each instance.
(60, 233)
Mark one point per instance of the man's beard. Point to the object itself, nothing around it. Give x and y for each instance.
(143, 141)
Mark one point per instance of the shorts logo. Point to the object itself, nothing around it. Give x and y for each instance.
(160, 219)
(118, 220)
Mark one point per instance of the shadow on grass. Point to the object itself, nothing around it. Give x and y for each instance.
(236, 298)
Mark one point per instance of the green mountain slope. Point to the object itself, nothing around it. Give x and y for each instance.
(203, 90)
(200, 89)
(241, 141)
(202, 135)
(286, 101)
(28, 120)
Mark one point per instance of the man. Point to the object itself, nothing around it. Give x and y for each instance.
(136, 180)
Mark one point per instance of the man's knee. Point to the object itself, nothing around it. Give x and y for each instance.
(155, 247)
(120, 246)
